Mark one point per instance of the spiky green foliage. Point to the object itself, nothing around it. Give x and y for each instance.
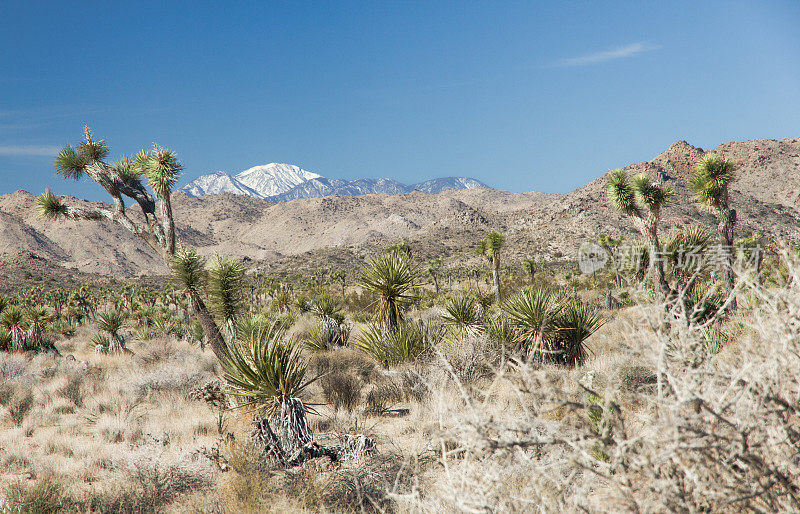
(685, 249)
(5, 339)
(649, 193)
(110, 321)
(500, 331)
(127, 169)
(70, 163)
(491, 246)
(621, 194)
(3, 303)
(91, 150)
(711, 175)
(13, 318)
(529, 266)
(460, 315)
(50, 206)
(529, 312)
(226, 287)
(326, 306)
(161, 167)
(392, 278)
(323, 339)
(575, 321)
(404, 343)
(189, 272)
(266, 369)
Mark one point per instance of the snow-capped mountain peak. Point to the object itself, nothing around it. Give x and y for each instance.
(274, 178)
(279, 182)
(218, 182)
(259, 181)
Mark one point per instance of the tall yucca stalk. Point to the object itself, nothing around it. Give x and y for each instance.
(642, 199)
(712, 175)
(490, 248)
(392, 278)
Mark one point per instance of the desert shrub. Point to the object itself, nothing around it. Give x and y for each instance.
(19, 404)
(343, 361)
(45, 495)
(342, 390)
(382, 397)
(394, 346)
(322, 338)
(72, 390)
(367, 487)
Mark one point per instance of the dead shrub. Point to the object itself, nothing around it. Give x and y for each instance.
(342, 391)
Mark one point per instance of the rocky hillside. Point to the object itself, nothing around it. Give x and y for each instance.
(316, 229)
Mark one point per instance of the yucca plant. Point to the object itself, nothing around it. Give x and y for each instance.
(500, 331)
(710, 181)
(111, 322)
(530, 313)
(13, 320)
(642, 199)
(267, 371)
(404, 343)
(529, 267)
(575, 321)
(323, 339)
(37, 318)
(392, 278)
(460, 316)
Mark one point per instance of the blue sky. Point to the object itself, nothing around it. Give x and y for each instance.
(521, 95)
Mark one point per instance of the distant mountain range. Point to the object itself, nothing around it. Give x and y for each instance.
(278, 182)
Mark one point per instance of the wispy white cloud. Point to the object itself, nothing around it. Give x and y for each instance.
(609, 55)
(28, 150)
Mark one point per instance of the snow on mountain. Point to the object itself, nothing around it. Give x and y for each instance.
(214, 183)
(318, 187)
(438, 185)
(283, 182)
(274, 179)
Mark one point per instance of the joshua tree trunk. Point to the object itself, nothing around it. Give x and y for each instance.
(496, 277)
(649, 228)
(435, 283)
(210, 328)
(727, 222)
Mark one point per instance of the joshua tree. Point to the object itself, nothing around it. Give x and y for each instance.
(529, 267)
(709, 183)
(161, 167)
(490, 248)
(189, 273)
(225, 284)
(340, 276)
(433, 269)
(392, 278)
(642, 199)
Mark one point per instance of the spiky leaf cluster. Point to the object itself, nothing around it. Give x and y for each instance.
(50, 206)
(711, 175)
(392, 278)
(225, 287)
(161, 167)
(266, 369)
(189, 271)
